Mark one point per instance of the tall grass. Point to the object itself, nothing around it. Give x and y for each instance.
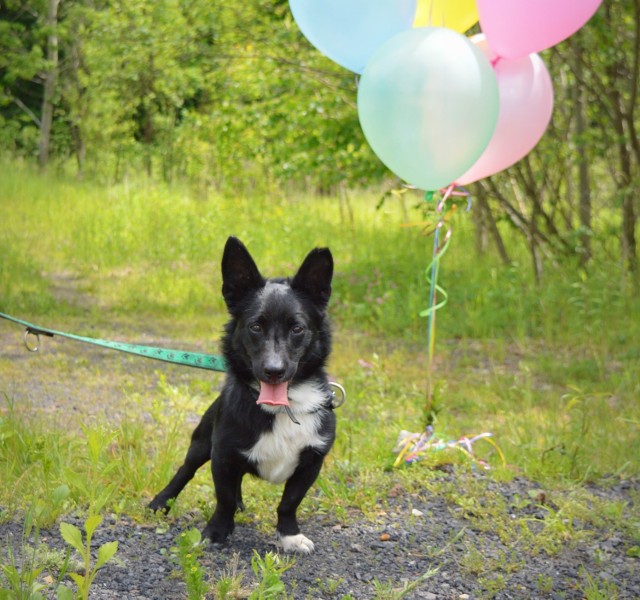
(145, 248)
(551, 369)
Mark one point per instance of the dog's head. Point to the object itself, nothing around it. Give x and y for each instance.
(278, 333)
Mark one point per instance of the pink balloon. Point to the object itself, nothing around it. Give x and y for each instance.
(526, 104)
(516, 28)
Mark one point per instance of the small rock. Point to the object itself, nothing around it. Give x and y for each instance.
(417, 513)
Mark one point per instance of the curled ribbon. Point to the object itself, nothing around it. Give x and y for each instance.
(412, 447)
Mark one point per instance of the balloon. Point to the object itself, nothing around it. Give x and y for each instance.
(516, 28)
(526, 104)
(428, 105)
(454, 14)
(349, 31)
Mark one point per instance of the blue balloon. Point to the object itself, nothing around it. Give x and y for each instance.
(349, 31)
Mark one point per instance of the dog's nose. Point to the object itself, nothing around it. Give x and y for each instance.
(274, 372)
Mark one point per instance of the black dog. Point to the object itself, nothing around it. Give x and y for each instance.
(274, 417)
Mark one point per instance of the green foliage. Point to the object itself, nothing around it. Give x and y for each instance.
(89, 467)
(268, 570)
(388, 591)
(564, 352)
(596, 590)
(73, 537)
(549, 369)
(192, 89)
(187, 553)
(20, 574)
(19, 579)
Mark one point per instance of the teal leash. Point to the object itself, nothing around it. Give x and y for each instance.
(212, 362)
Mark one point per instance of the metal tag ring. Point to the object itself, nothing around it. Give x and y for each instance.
(337, 402)
(27, 333)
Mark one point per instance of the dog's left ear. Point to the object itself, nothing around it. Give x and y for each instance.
(314, 277)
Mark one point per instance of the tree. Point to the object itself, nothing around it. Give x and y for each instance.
(50, 76)
(593, 130)
(21, 62)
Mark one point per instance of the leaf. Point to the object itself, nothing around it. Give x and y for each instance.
(78, 579)
(76, 481)
(91, 524)
(193, 536)
(60, 494)
(71, 534)
(64, 593)
(634, 551)
(106, 553)
(105, 495)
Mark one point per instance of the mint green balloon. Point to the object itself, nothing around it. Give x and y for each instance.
(428, 105)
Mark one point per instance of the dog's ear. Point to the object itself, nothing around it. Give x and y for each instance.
(240, 274)
(314, 277)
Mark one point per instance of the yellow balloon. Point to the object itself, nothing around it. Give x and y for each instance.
(459, 15)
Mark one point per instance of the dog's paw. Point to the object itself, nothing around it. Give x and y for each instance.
(216, 535)
(159, 504)
(295, 543)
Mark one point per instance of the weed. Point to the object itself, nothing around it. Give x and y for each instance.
(558, 529)
(230, 585)
(387, 591)
(187, 554)
(329, 586)
(474, 561)
(21, 577)
(492, 585)
(594, 590)
(544, 583)
(73, 537)
(268, 571)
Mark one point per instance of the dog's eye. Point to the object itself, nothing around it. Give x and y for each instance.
(297, 329)
(255, 327)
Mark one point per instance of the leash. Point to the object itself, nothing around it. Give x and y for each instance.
(212, 362)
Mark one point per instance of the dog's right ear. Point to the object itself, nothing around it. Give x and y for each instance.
(240, 274)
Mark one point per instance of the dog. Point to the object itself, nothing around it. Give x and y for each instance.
(273, 418)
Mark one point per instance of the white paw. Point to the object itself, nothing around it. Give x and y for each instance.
(295, 543)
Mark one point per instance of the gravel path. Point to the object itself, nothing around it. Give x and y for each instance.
(421, 540)
(411, 536)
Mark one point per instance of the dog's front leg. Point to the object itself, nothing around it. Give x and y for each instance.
(227, 479)
(297, 486)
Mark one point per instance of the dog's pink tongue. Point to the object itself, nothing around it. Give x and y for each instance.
(273, 395)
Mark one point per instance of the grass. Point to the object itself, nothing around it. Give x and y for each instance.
(551, 371)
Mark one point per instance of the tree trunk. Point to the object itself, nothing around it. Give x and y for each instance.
(490, 224)
(50, 78)
(623, 177)
(584, 179)
(536, 256)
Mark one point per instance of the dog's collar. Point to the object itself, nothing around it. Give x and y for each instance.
(335, 399)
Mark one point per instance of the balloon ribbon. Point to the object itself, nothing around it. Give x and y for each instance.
(415, 446)
(431, 274)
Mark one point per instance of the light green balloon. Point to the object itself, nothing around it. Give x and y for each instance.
(428, 105)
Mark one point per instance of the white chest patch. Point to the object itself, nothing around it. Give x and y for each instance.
(277, 452)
